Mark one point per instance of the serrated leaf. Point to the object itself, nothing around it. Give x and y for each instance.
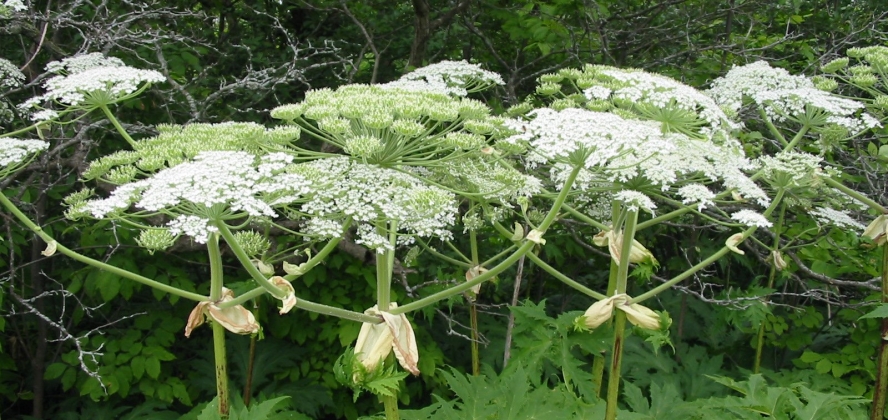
(635, 399)
(881, 311)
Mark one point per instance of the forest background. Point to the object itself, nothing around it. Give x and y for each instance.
(65, 325)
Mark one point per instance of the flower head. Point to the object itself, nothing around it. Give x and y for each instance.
(784, 96)
(457, 78)
(211, 186)
(93, 80)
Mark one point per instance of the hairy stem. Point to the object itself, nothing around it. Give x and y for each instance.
(216, 279)
(881, 389)
(613, 382)
(92, 262)
(771, 275)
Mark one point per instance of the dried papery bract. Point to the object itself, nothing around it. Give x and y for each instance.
(236, 319)
(733, 241)
(289, 301)
(376, 341)
(614, 242)
(471, 274)
(877, 230)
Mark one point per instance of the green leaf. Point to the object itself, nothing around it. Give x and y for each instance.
(54, 370)
(152, 367)
(810, 357)
(138, 366)
(823, 366)
(880, 312)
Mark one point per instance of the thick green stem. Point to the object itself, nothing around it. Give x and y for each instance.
(117, 125)
(95, 263)
(772, 128)
(473, 310)
(881, 390)
(384, 264)
(303, 304)
(221, 369)
(760, 340)
(613, 381)
(216, 282)
(391, 407)
(613, 384)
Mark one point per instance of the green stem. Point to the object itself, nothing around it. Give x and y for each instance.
(613, 384)
(796, 139)
(22, 130)
(443, 257)
(384, 265)
(502, 266)
(881, 388)
(92, 262)
(613, 381)
(565, 279)
(702, 264)
(772, 128)
(473, 310)
(390, 402)
(117, 125)
(319, 257)
(759, 344)
(216, 282)
(247, 264)
(305, 305)
(854, 194)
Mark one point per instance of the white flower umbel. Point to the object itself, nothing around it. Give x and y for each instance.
(791, 169)
(214, 186)
(696, 193)
(391, 127)
(370, 196)
(15, 153)
(93, 80)
(634, 200)
(8, 7)
(10, 75)
(751, 218)
(457, 78)
(679, 107)
(177, 144)
(836, 218)
(784, 96)
(617, 150)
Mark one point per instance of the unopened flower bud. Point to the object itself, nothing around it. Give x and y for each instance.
(376, 341)
(641, 316)
(733, 241)
(599, 312)
(776, 258)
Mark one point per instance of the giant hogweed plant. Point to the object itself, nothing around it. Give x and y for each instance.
(402, 159)
(645, 141)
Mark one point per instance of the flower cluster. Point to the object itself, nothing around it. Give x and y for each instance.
(836, 218)
(615, 150)
(92, 80)
(177, 144)
(457, 78)
(10, 75)
(677, 106)
(212, 187)
(371, 195)
(791, 169)
(14, 153)
(387, 126)
(10, 6)
(783, 96)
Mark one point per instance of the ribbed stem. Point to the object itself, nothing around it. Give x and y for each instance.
(216, 279)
